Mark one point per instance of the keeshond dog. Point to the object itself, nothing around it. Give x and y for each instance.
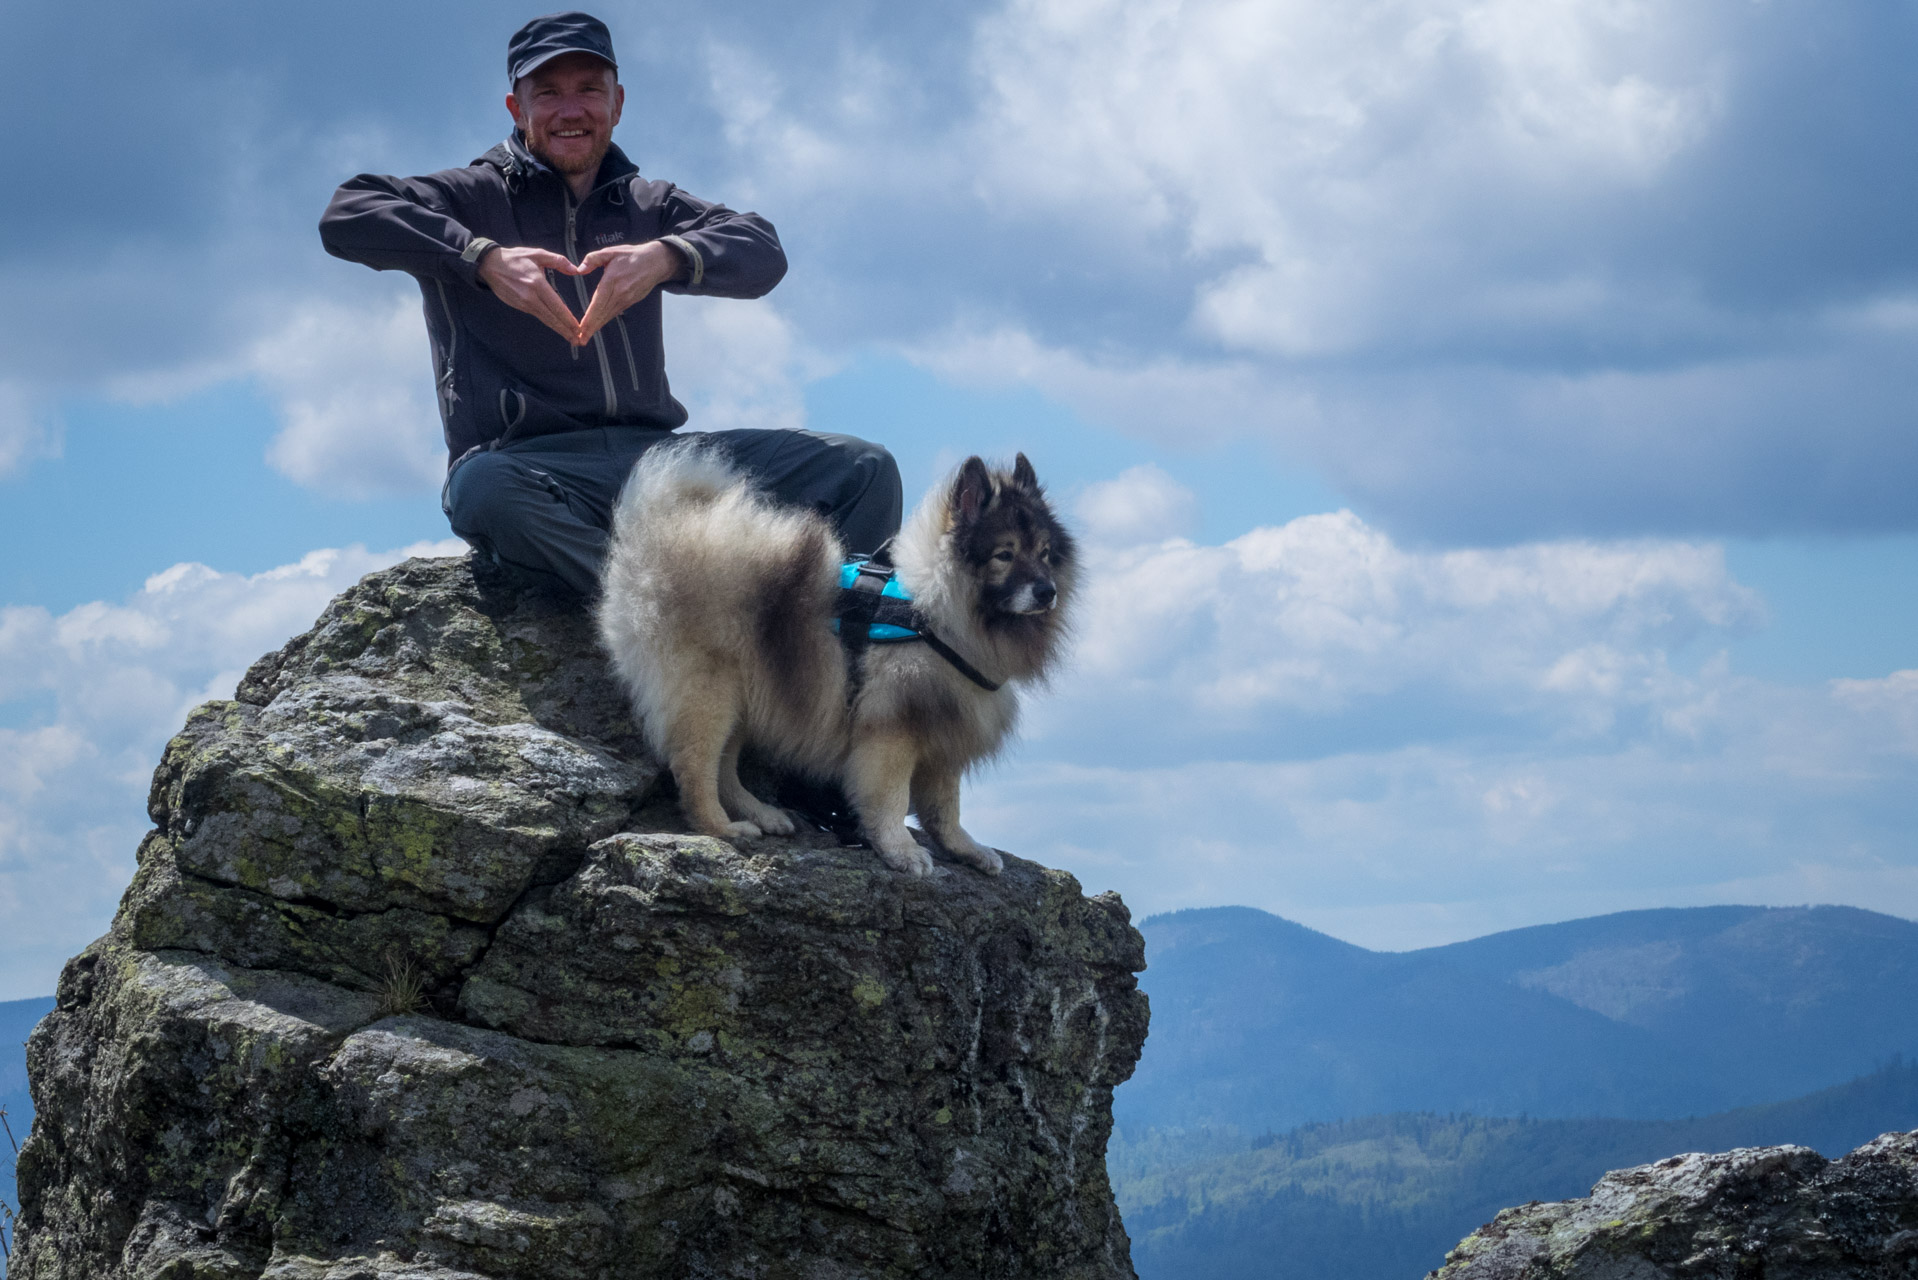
(718, 612)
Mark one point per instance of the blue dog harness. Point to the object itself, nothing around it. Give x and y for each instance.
(873, 608)
(893, 617)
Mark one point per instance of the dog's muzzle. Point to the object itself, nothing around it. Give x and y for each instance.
(1034, 597)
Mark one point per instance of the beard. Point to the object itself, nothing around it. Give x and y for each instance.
(587, 163)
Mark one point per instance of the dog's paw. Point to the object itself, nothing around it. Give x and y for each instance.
(909, 859)
(775, 822)
(741, 831)
(977, 855)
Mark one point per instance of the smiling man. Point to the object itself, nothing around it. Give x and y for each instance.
(542, 264)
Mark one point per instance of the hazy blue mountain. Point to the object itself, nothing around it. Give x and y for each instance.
(1259, 1023)
(17, 1018)
(1830, 992)
(1383, 1197)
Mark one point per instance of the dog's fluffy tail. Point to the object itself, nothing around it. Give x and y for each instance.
(671, 477)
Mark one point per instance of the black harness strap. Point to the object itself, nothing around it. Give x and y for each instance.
(858, 606)
(861, 605)
(951, 655)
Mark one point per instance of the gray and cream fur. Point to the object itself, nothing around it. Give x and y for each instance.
(717, 608)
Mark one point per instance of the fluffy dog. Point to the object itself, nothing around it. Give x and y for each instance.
(718, 612)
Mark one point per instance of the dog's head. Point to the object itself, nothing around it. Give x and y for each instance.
(1005, 535)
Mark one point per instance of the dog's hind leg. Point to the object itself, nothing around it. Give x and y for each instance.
(935, 798)
(879, 783)
(696, 748)
(740, 802)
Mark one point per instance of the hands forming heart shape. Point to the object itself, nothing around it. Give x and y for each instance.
(518, 277)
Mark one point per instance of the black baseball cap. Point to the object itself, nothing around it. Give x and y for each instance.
(543, 39)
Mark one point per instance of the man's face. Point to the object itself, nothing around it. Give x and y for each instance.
(567, 110)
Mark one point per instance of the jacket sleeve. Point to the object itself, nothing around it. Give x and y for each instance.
(402, 224)
(729, 255)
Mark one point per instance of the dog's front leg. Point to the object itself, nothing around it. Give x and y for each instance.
(935, 798)
(879, 784)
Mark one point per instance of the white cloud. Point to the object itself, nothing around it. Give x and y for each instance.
(1142, 504)
(1405, 747)
(354, 387)
(88, 698)
(1351, 150)
(1325, 612)
(24, 429)
(1498, 270)
(737, 364)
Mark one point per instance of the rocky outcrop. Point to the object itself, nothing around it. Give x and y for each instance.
(421, 976)
(1781, 1213)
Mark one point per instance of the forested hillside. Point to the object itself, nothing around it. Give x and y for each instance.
(1383, 1197)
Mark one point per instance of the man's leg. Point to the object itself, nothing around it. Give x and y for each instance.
(524, 516)
(542, 507)
(852, 482)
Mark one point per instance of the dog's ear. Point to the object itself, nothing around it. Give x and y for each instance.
(1024, 477)
(971, 491)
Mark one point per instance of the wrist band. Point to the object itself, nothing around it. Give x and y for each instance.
(476, 247)
(695, 264)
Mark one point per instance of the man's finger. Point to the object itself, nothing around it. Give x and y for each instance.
(602, 308)
(554, 261)
(554, 312)
(596, 259)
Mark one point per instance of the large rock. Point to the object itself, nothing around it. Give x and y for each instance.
(420, 976)
(1780, 1213)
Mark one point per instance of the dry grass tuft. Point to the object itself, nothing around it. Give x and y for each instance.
(404, 989)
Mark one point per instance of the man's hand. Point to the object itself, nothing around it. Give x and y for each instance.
(518, 278)
(632, 272)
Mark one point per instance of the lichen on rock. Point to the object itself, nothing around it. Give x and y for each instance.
(1782, 1213)
(627, 1050)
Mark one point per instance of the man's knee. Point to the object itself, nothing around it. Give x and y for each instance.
(484, 493)
(877, 471)
(872, 501)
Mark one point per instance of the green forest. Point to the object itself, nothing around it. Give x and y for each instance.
(1384, 1197)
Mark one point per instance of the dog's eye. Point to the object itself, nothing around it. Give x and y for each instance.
(1002, 556)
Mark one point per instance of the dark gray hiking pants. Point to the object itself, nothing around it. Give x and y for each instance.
(542, 506)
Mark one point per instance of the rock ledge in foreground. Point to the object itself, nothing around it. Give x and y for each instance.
(1780, 1213)
(420, 977)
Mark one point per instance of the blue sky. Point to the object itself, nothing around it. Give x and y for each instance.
(1491, 421)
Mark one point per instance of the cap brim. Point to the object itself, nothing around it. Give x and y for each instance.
(539, 60)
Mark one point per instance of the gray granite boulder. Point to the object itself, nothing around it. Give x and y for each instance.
(1776, 1213)
(421, 976)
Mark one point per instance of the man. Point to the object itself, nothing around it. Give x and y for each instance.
(541, 264)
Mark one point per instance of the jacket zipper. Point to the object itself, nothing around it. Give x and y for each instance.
(579, 286)
(632, 365)
(448, 396)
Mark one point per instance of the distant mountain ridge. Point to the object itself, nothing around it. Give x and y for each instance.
(1261, 1023)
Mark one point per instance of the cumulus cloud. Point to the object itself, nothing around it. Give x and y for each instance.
(1327, 615)
(24, 431)
(354, 388)
(87, 699)
(1500, 271)
(1408, 746)
(1141, 504)
(1497, 270)
(738, 364)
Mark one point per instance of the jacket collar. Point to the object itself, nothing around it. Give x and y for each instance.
(518, 165)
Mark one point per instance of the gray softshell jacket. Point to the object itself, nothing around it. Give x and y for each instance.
(501, 374)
